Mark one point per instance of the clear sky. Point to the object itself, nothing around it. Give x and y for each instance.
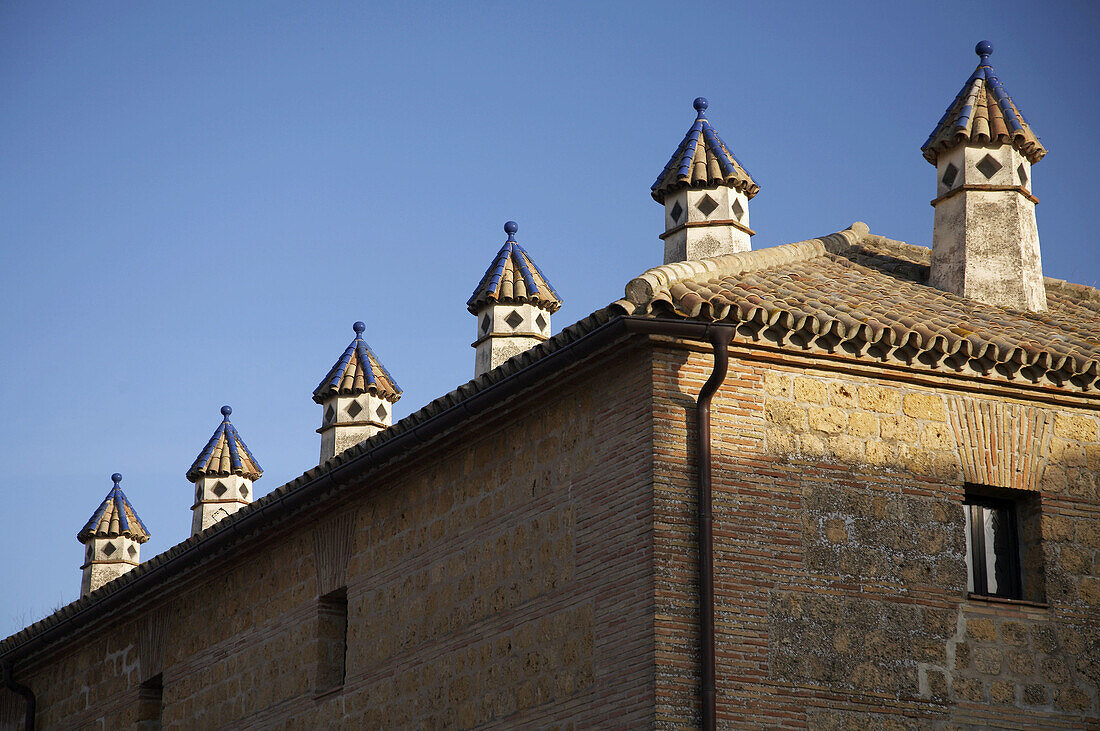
(197, 200)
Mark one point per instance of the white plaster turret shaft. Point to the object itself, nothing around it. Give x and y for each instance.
(356, 397)
(705, 191)
(985, 239)
(223, 475)
(112, 540)
(513, 304)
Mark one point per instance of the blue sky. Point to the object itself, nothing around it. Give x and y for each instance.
(197, 200)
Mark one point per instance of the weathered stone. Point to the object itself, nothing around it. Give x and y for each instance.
(1035, 695)
(1072, 699)
(843, 395)
(1053, 670)
(828, 419)
(1002, 691)
(981, 630)
(777, 383)
(880, 399)
(810, 390)
(836, 531)
(1077, 428)
(1014, 633)
(861, 424)
(924, 406)
(988, 660)
(785, 414)
(1089, 589)
(968, 689)
(937, 436)
(901, 428)
(1021, 662)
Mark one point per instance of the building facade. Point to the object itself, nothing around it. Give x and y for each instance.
(818, 485)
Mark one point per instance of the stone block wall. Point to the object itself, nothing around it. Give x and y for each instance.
(502, 576)
(840, 554)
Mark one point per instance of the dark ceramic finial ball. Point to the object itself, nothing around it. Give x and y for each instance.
(984, 48)
(359, 327)
(116, 478)
(226, 411)
(700, 104)
(511, 227)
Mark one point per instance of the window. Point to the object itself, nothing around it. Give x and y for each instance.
(1004, 549)
(332, 640)
(150, 703)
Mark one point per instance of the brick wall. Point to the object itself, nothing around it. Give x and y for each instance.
(502, 577)
(840, 561)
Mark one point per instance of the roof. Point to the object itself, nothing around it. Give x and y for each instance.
(225, 454)
(358, 371)
(867, 295)
(514, 278)
(115, 516)
(702, 161)
(984, 113)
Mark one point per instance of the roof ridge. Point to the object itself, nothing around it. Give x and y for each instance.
(641, 291)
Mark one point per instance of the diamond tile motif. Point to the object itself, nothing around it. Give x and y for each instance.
(706, 205)
(676, 212)
(988, 166)
(541, 321)
(738, 210)
(950, 173)
(330, 414)
(381, 411)
(354, 409)
(485, 323)
(132, 551)
(244, 491)
(513, 319)
(109, 549)
(219, 488)
(1022, 173)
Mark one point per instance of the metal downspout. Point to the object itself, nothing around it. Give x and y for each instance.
(719, 340)
(27, 693)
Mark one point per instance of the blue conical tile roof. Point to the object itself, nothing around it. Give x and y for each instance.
(702, 161)
(983, 113)
(115, 516)
(225, 454)
(514, 278)
(358, 371)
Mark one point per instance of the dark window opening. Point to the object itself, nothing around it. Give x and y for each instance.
(1004, 554)
(332, 639)
(151, 703)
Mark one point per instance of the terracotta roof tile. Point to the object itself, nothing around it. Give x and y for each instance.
(702, 161)
(984, 113)
(869, 295)
(514, 278)
(225, 454)
(115, 516)
(358, 371)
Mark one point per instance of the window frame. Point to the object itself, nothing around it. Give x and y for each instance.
(979, 498)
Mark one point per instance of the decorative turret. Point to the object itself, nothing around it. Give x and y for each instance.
(112, 540)
(356, 398)
(706, 192)
(513, 304)
(985, 242)
(223, 474)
